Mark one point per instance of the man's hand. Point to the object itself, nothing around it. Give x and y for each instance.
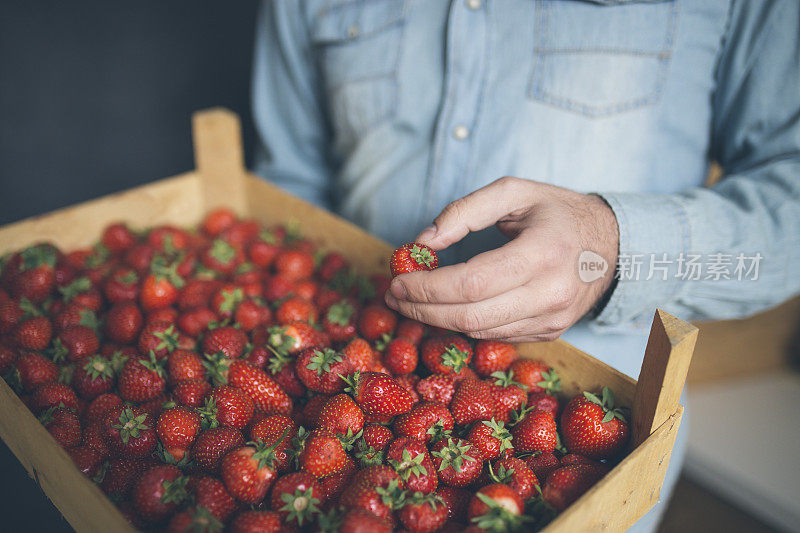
(526, 290)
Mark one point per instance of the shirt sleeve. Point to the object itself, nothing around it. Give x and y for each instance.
(751, 217)
(291, 127)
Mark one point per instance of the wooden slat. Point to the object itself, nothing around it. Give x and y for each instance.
(663, 375)
(219, 158)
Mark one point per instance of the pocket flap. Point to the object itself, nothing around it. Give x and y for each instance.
(354, 20)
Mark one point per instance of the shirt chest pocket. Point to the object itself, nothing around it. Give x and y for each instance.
(358, 47)
(602, 57)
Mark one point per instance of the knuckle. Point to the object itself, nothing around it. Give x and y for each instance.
(473, 286)
(469, 320)
(562, 295)
(454, 209)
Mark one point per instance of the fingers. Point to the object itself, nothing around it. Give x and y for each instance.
(476, 211)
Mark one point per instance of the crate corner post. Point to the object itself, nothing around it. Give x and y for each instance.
(219, 158)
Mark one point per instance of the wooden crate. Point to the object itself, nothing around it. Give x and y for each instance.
(220, 179)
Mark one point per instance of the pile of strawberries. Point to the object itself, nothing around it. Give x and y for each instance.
(238, 378)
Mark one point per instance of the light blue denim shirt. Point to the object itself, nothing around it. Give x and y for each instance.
(386, 110)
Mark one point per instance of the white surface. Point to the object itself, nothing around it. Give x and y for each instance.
(744, 444)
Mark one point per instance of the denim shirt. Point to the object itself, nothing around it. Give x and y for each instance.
(386, 110)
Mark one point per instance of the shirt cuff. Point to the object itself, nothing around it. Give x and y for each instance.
(654, 239)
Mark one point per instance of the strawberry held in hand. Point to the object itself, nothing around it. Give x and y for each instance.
(412, 257)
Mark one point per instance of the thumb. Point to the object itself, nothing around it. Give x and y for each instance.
(476, 211)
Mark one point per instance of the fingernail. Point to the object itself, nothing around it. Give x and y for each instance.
(398, 290)
(390, 300)
(428, 233)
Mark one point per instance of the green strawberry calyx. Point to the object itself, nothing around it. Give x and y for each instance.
(607, 404)
(499, 432)
(175, 490)
(322, 360)
(169, 339)
(497, 517)
(421, 255)
(130, 425)
(551, 382)
(454, 357)
(203, 520)
(506, 379)
(98, 367)
(301, 505)
(340, 313)
(392, 495)
(409, 466)
(454, 454)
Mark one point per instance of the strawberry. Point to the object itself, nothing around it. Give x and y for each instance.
(424, 513)
(286, 376)
(263, 250)
(160, 338)
(213, 444)
(121, 286)
(493, 356)
(542, 464)
(99, 406)
(379, 394)
(516, 474)
(496, 507)
(401, 356)
(377, 489)
(341, 415)
(410, 329)
(509, 395)
(294, 264)
(568, 483)
(36, 278)
(196, 518)
(226, 339)
(427, 421)
(139, 256)
(277, 288)
(250, 314)
(409, 382)
(218, 221)
(93, 376)
(536, 432)
(265, 393)
(196, 293)
(54, 394)
(183, 365)
(543, 402)
(322, 454)
(491, 437)
(372, 444)
(124, 322)
(121, 475)
(594, 427)
(472, 401)
(296, 497)
(409, 457)
(33, 333)
(80, 341)
(210, 493)
(320, 370)
(117, 238)
(11, 313)
(279, 430)
(360, 354)
(446, 354)
(296, 337)
(376, 320)
(358, 520)
(129, 432)
(190, 392)
(159, 492)
(249, 471)
(221, 256)
(437, 388)
(195, 321)
(296, 309)
(228, 406)
(141, 379)
(256, 522)
(8, 356)
(457, 500)
(332, 263)
(413, 257)
(35, 370)
(63, 425)
(536, 375)
(458, 462)
(168, 239)
(86, 459)
(334, 485)
(339, 321)
(177, 429)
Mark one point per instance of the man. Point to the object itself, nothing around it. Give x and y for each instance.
(388, 112)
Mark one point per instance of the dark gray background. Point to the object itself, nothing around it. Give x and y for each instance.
(95, 97)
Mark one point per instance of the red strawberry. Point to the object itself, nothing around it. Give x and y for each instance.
(141, 380)
(277, 288)
(410, 329)
(320, 370)
(542, 464)
(124, 322)
(99, 406)
(8, 356)
(228, 406)
(226, 339)
(63, 425)
(491, 437)
(168, 239)
(496, 507)
(409, 457)
(121, 286)
(294, 264)
(250, 314)
(427, 421)
(195, 518)
(196, 320)
(458, 462)
(339, 321)
(322, 454)
(373, 442)
(93, 376)
(447, 354)
(493, 356)
(121, 476)
(263, 250)
(86, 459)
(401, 356)
(334, 485)
(536, 375)
(218, 221)
(212, 445)
(10, 315)
(409, 382)
(248, 472)
(360, 520)
(424, 513)
(594, 427)
(360, 354)
(379, 394)
(457, 500)
(536, 432)
(296, 337)
(160, 338)
(222, 256)
(341, 415)
(33, 333)
(278, 430)
(36, 277)
(129, 432)
(159, 291)
(413, 257)
(377, 489)
(516, 474)
(437, 388)
(296, 309)
(159, 492)
(508, 394)
(183, 365)
(35, 370)
(211, 494)
(177, 429)
(256, 522)
(543, 402)
(568, 483)
(53, 395)
(296, 497)
(332, 263)
(117, 238)
(196, 293)
(376, 320)
(265, 393)
(472, 401)
(190, 392)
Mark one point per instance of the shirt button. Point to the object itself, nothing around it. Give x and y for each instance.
(474, 4)
(460, 132)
